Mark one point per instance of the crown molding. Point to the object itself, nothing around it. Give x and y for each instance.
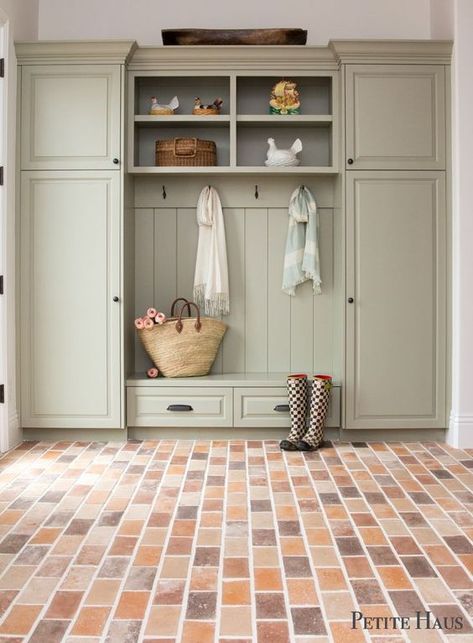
(257, 58)
(392, 51)
(64, 52)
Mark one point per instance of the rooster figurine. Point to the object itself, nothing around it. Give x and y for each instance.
(163, 110)
(283, 157)
(207, 110)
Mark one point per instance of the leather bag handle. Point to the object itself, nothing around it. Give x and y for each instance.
(197, 325)
(173, 305)
(184, 155)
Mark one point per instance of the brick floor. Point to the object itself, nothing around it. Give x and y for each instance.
(233, 541)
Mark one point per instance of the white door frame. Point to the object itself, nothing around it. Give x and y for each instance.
(3, 244)
(9, 426)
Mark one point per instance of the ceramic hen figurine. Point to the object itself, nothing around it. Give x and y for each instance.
(283, 157)
(207, 110)
(159, 110)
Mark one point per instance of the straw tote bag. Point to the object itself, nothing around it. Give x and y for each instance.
(184, 347)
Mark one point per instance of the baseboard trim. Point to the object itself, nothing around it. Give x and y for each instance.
(460, 431)
(87, 435)
(236, 433)
(392, 435)
(218, 433)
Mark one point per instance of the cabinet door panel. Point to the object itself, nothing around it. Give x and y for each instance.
(70, 117)
(395, 116)
(396, 324)
(70, 327)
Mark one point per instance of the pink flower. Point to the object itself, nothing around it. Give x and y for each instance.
(139, 323)
(151, 312)
(148, 323)
(152, 372)
(160, 318)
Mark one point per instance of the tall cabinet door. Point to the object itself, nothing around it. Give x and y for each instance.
(70, 117)
(70, 323)
(395, 117)
(396, 308)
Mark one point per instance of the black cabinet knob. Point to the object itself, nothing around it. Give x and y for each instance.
(115, 299)
(116, 161)
(350, 161)
(350, 300)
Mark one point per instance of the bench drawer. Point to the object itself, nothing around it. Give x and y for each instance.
(263, 407)
(179, 406)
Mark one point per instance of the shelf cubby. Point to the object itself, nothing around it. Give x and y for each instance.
(243, 126)
(253, 94)
(252, 143)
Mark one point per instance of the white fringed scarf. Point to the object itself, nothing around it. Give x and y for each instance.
(301, 261)
(211, 270)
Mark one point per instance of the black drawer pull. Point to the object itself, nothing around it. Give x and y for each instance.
(180, 407)
(282, 408)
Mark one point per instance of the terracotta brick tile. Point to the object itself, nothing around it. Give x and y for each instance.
(204, 578)
(273, 632)
(235, 568)
(358, 567)
(343, 633)
(235, 621)
(236, 592)
(102, 592)
(163, 621)
(308, 621)
(169, 592)
(64, 605)
(267, 579)
(6, 599)
(148, 555)
(20, 619)
(330, 578)
(394, 578)
(270, 605)
(338, 605)
(198, 631)
(132, 605)
(292, 546)
(302, 591)
(46, 536)
(455, 577)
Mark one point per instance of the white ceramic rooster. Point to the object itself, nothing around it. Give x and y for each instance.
(283, 157)
(158, 109)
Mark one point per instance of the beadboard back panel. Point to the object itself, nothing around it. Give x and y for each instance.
(267, 329)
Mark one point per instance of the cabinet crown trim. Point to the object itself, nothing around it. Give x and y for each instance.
(392, 51)
(74, 51)
(234, 57)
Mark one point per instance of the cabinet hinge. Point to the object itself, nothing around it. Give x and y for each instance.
(1, 284)
(2, 394)
(1, 174)
(2, 67)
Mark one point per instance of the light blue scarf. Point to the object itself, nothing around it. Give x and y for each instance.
(301, 261)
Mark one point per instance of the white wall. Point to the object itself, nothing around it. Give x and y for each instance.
(461, 421)
(20, 20)
(143, 20)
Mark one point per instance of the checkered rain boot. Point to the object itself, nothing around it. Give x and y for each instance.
(320, 397)
(298, 399)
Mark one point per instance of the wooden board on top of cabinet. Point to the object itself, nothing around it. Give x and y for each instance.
(70, 326)
(70, 117)
(396, 321)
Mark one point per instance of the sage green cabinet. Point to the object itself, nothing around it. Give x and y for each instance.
(70, 325)
(396, 323)
(395, 117)
(70, 117)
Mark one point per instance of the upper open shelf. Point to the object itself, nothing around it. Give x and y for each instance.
(244, 124)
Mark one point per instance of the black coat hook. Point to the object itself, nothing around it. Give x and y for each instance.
(256, 192)
(164, 192)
